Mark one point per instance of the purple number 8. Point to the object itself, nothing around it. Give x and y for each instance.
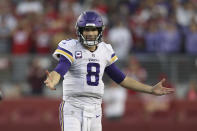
(93, 73)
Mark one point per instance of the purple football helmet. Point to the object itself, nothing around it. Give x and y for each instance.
(89, 19)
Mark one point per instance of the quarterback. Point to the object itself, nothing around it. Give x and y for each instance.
(82, 64)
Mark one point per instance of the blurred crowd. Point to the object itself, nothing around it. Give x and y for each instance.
(153, 26)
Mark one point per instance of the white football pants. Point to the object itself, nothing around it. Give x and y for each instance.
(80, 118)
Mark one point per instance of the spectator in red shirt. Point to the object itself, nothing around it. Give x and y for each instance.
(36, 77)
(21, 39)
(192, 92)
(43, 40)
(136, 71)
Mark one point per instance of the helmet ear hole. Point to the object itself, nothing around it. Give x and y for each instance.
(80, 29)
(99, 30)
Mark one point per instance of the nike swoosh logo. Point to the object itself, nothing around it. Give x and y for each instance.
(97, 116)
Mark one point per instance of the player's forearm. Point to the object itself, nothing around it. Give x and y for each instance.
(130, 83)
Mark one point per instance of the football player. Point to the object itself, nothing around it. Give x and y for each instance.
(82, 64)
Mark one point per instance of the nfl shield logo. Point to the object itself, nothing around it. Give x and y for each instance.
(78, 54)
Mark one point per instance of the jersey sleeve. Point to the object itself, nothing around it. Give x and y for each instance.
(64, 48)
(111, 56)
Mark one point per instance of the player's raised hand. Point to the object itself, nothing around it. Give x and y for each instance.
(49, 82)
(159, 89)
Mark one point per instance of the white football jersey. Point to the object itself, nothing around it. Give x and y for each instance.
(84, 77)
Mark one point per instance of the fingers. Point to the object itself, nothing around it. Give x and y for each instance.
(168, 90)
(49, 85)
(159, 89)
(163, 80)
(160, 83)
(48, 81)
(48, 74)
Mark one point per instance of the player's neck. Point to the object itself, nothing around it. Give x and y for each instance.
(91, 48)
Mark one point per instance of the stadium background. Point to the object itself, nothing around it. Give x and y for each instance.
(161, 42)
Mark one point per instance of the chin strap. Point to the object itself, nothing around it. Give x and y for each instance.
(90, 43)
